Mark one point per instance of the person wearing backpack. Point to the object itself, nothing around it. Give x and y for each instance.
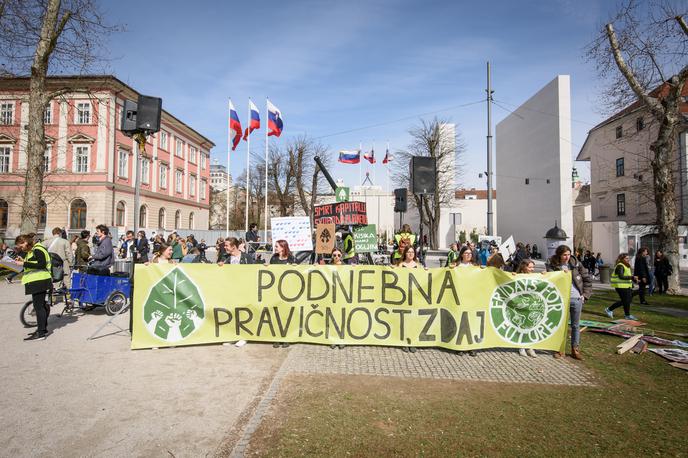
(37, 280)
(60, 247)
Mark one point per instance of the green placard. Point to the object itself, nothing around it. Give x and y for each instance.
(342, 194)
(365, 239)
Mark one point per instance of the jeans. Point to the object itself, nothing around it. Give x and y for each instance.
(575, 309)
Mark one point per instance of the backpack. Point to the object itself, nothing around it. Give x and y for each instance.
(56, 264)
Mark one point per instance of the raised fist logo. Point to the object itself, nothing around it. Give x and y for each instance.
(174, 320)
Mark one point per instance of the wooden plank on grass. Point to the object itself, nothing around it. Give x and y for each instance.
(628, 344)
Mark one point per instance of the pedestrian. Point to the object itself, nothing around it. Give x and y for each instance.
(232, 254)
(581, 290)
(63, 249)
(282, 254)
(336, 257)
(163, 256)
(37, 280)
(202, 247)
(496, 261)
(622, 282)
(466, 257)
(662, 271)
(177, 248)
(82, 253)
(642, 272)
(103, 254)
(452, 256)
(142, 248)
(527, 266)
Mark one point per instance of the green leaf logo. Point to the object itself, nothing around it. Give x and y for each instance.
(174, 308)
(526, 310)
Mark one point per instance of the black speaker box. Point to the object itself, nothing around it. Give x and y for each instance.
(423, 171)
(128, 124)
(400, 200)
(149, 112)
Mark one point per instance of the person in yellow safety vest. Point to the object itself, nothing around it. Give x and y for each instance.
(348, 248)
(408, 237)
(37, 280)
(622, 280)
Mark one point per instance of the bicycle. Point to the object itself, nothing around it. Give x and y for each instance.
(27, 314)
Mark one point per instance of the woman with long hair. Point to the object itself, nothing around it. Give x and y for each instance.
(164, 254)
(282, 254)
(409, 258)
(581, 290)
(466, 257)
(527, 266)
(662, 271)
(336, 257)
(37, 280)
(622, 281)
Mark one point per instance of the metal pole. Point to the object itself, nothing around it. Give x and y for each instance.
(248, 166)
(490, 230)
(267, 116)
(229, 151)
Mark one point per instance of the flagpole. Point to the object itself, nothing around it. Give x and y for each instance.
(360, 148)
(248, 165)
(386, 155)
(229, 150)
(267, 120)
(373, 164)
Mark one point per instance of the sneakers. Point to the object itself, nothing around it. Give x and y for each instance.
(630, 317)
(240, 343)
(8, 280)
(609, 313)
(472, 353)
(531, 353)
(522, 351)
(412, 349)
(37, 336)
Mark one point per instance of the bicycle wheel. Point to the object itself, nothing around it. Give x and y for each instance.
(115, 302)
(27, 315)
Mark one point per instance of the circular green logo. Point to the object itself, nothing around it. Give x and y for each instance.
(174, 308)
(526, 310)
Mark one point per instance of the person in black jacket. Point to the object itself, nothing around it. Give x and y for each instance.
(142, 248)
(232, 254)
(642, 272)
(662, 271)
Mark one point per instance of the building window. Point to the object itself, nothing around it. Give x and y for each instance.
(42, 214)
(179, 181)
(619, 131)
(81, 154)
(203, 161)
(191, 220)
(7, 113)
(177, 219)
(77, 214)
(163, 139)
(161, 219)
(143, 216)
(204, 184)
(163, 176)
(178, 148)
(145, 171)
(48, 114)
(192, 154)
(639, 124)
(120, 213)
(620, 167)
(123, 164)
(192, 185)
(5, 158)
(4, 213)
(620, 204)
(83, 113)
(46, 157)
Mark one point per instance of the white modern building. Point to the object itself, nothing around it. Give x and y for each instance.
(534, 165)
(219, 176)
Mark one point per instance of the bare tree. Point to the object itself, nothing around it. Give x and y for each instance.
(642, 54)
(256, 190)
(308, 177)
(437, 139)
(282, 180)
(38, 37)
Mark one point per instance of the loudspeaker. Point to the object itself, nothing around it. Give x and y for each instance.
(400, 200)
(149, 111)
(128, 124)
(423, 170)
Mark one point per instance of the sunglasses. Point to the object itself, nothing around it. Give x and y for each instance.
(336, 255)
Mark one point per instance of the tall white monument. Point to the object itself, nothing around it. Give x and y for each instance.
(533, 166)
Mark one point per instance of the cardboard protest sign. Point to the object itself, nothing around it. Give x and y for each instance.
(296, 230)
(342, 213)
(324, 238)
(365, 239)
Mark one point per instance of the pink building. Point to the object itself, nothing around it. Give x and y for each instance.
(89, 168)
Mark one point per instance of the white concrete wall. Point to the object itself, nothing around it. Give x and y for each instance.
(532, 143)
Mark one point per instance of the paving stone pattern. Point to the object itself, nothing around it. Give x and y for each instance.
(488, 365)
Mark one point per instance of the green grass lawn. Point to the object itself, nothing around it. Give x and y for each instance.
(638, 408)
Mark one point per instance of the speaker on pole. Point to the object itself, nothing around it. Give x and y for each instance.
(400, 200)
(148, 113)
(423, 171)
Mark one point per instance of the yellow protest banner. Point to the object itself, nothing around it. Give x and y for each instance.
(463, 308)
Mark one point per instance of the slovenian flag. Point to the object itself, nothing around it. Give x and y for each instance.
(349, 157)
(370, 157)
(274, 120)
(388, 157)
(255, 120)
(234, 126)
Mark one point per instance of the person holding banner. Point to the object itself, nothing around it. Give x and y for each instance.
(409, 258)
(336, 257)
(232, 254)
(452, 256)
(164, 255)
(466, 257)
(581, 290)
(527, 266)
(282, 253)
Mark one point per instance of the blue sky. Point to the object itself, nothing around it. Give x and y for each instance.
(336, 66)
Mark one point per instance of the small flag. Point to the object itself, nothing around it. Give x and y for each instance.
(349, 157)
(274, 120)
(370, 157)
(388, 157)
(255, 120)
(234, 126)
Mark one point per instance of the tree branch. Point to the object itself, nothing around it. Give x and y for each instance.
(651, 103)
(682, 23)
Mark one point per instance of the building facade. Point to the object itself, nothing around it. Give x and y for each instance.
(621, 187)
(90, 164)
(219, 177)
